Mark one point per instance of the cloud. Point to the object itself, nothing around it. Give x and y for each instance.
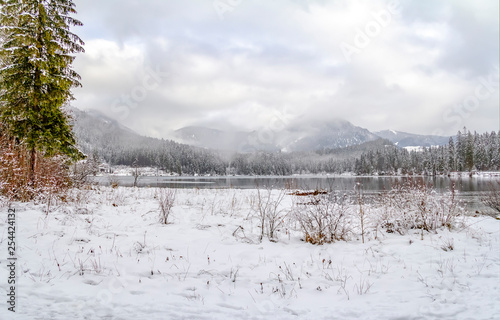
(413, 66)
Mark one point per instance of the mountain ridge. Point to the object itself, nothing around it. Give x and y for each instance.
(303, 137)
(328, 135)
(405, 139)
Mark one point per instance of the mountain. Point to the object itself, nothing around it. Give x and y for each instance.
(404, 139)
(115, 142)
(118, 145)
(355, 151)
(332, 147)
(332, 135)
(306, 137)
(96, 131)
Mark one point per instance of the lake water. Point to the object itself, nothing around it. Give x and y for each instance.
(340, 183)
(470, 189)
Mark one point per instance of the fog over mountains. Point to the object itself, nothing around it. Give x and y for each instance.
(297, 138)
(333, 147)
(332, 135)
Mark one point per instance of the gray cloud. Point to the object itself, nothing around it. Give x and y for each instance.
(285, 57)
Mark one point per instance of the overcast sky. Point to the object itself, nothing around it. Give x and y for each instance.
(420, 66)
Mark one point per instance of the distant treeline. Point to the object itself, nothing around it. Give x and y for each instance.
(467, 152)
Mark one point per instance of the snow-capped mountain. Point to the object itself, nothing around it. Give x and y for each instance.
(404, 139)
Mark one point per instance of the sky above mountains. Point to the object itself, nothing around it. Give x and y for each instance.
(421, 66)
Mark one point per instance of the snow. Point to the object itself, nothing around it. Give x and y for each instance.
(106, 256)
(122, 170)
(414, 148)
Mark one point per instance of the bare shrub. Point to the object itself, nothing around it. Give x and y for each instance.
(136, 173)
(116, 196)
(166, 199)
(114, 182)
(339, 227)
(362, 212)
(270, 212)
(492, 197)
(417, 206)
(81, 172)
(389, 217)
(449, 209)
(80, 197)
(323, 218)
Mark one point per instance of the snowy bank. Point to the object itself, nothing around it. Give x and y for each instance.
(106, 256)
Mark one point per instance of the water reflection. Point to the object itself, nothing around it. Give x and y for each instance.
(333, 183)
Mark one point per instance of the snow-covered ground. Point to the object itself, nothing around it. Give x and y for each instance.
(106, 256)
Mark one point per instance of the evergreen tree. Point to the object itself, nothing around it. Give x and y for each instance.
(480, 152)
(494, 150)
(469, 152)
(460, 150)
(36, 75)
(452, 157)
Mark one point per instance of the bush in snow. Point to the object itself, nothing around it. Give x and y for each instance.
(270, 212)
(322, 218)
(492, 197)
(417, 206)
(166, 199)
(81, 172)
